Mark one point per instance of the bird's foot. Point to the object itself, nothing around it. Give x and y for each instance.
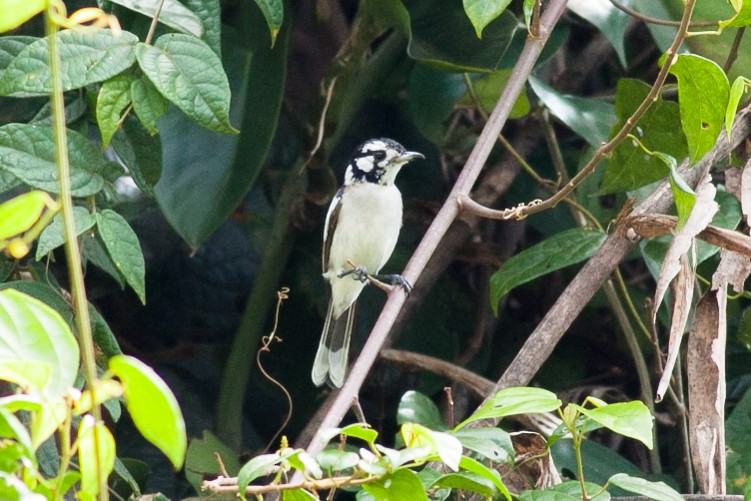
(358, 272)
(394, 279)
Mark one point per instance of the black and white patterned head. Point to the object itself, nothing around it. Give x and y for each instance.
(378, 161)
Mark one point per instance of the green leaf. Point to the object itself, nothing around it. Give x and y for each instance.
(488, 89)
(630, 419)
(124, 249)
(513, 401)
(141, 153)
(200, 461)
(739, 444)
(742, 15)
(736, 93)
(186, 185)
(210, 14)
(432, 97)
(362, 431)
(148, 104)
(273, 11)
(86, 57)
(467, 481)
(53, 235)
(401, 484)
(492, 443)
(28, 152)
(336, 460)
(256, 467)
(37, 348)
(152, 406)
(703, 92)
(476, 467)
(556, 252)
(415, 407)
(653, 490)
(589, 118)
(684, 196)
(483, 12)
(96, 454)
(11, 46)
(547, 495)
(455, 45)
(448, 447)
(659, 129)
(20, 213)
(94, 252)
(611, 22)
(11, 428)
(172, 14)
(16, 12)
(114, 97)
(188, 73)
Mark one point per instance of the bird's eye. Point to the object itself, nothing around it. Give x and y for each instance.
(379, 155)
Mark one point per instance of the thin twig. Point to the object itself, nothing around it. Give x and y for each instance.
(154, 22)
(654, 20)
(733, 54)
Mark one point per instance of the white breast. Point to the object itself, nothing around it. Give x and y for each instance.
(366, 233)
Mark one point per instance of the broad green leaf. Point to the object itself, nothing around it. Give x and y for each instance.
(124, 249)
(611, 22)
(736, 93)
(96, 454)
(114, 97)
(653, 490)
(488, 89)
(210, 14)
(455, 45)
(188, 73)
(11, 428)
(256, 467)
(236, 161)
(141, 153)
(20, 213)
(448, 447)
(492, 443)
(273, 11)
(401, 484)
(362, 431)
(152, 406)
(476, 467)
(528, 8)
(95, 252)
(28, 153)
(10, 47)
(148, 104)
(415, 407)
(432, 97)
(86, 57)
(630, 419)
(566, 491)
(556, 252)
(172, 14)
(589, 118)
(53, 235)
(336, 460)
(683, 195)
(659, 130)
(48, 420)
(547, 495)
(16, 12)
(298, 495)
(37, 348)
(200, 460)
(467, 481)
(742, 15)
(483, 12)
(513, 401)
(703, 92)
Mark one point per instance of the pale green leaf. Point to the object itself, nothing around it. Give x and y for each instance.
(124, 249)
(86, 57)
(114, 97)
(630, 419)
(53, 235)
(736, 93)
(152, 406)
(20, 213)
(96, 454)
(188, 73)
(476, 467)
(513, 401)
(683, 195)
(273, 11)
(13, 13)
(256, 467)
(492, 443)
(483, 12)
(653, 490)
(556, 252)
(703, 92)
(742, 15)
(172, 14)
(37, 348)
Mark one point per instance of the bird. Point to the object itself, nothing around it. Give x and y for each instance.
(362, 227)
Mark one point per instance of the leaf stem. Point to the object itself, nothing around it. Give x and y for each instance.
(72, 249)
(154, 22)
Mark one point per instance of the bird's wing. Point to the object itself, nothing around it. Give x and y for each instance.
(332, 217)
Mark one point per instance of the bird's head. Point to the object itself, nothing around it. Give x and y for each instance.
(378, 161)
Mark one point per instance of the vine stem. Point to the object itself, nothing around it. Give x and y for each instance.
(72, 249)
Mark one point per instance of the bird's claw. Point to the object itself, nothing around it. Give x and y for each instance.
(358, 273)
(399, 280)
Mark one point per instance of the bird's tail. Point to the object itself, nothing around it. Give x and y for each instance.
(330, 365)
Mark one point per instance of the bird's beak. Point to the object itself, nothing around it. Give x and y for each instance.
(408, 156)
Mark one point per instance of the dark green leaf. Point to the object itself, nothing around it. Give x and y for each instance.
(468, 482)
(483, 12)
(432, 97)
(124, 249)
(611, 22)
(414, 407)
(94, 252)
(210, 14)
(547, 495)
(739, 444)
(273, 11)
(53, 235)
(401, 484)
(114, 97)
(172, 14)
(703, 92)
(256, 467)
(11, 46)
(590, 118)
(561, 250)
(653, 490)
(86, 57)
(659, 130)
(200, 460)
(148, 103)
(141, 153)
(489, 474)
(455, 45)
(28, 152)
(188, 73)
(573, 488)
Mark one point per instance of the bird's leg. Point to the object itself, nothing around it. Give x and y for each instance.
(358, 271)
(395, 280)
